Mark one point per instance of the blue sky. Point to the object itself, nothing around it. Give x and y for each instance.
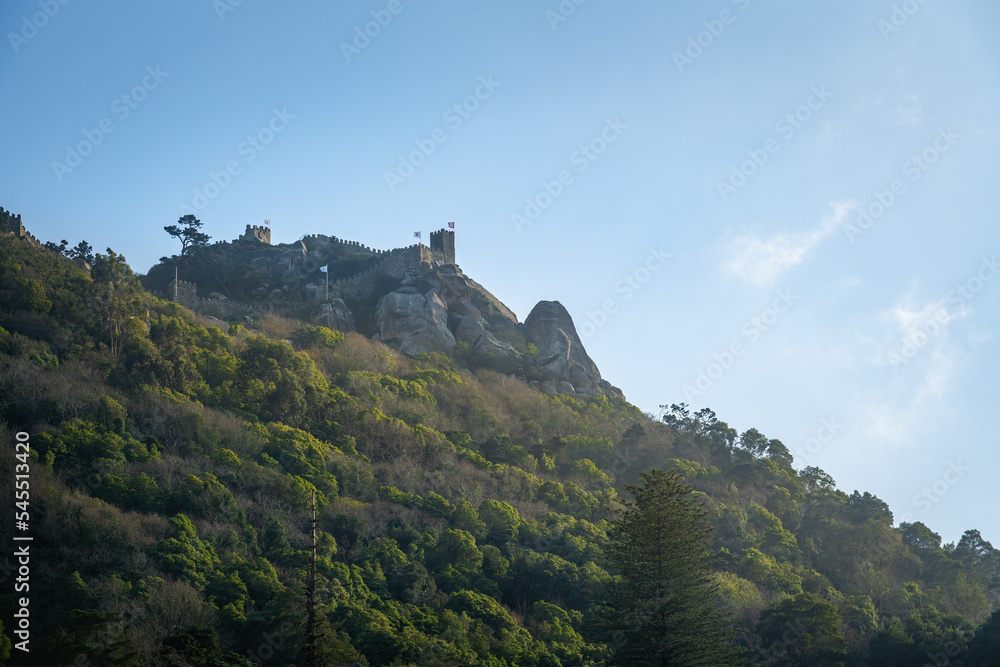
(577, 145)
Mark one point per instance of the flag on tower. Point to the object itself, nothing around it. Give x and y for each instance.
(451, 225)
(416, 235)
(323, 268)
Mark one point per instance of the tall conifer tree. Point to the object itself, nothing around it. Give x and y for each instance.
(662, 608)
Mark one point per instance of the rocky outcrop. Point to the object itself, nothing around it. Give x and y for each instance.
(561, 355)
(216, 322)
(336, 315)
(436, 309)
(416, 322)
(433, 311)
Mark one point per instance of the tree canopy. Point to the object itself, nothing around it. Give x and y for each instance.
(662, 607)
(188, 232)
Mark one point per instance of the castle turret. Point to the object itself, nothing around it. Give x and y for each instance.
(13, 225)
(443, 246)
(184, 293)
(257, 233)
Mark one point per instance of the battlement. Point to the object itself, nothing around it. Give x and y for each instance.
(443, 244)
(13, 224)
(183, 292)
(257, 233)
(301, 283)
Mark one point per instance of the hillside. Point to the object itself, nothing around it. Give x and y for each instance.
(464, 492)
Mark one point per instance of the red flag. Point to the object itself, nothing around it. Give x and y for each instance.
(451, 225)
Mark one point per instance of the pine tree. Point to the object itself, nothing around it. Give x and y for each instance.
(187, 231)
(801, 630)
(662, 608)
(81, 250)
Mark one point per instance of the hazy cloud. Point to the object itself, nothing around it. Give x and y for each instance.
(761, 261)
(895, 107)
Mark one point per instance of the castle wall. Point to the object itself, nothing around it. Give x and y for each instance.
(13, 224)
(396, 264)
(183, 292)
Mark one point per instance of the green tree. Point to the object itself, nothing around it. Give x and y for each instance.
(984, 649)
(661, 608)
(754, 442)
(5, 645)
(333, 646)
(81, 250)
(187, 231)
(59, 248)
(801, 630)
(117, 300)
(456, 548)
(185, 555)
(502, 521)
(198, 647)
(861, 508)
(815, 478)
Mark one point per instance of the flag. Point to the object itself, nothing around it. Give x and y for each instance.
(451, 225)
(323, 268)
(416, 235)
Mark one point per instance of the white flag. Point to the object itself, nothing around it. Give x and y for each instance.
(323, 268)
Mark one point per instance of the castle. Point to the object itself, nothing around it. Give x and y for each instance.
(296, 268)
(441, 249)
(12, 224)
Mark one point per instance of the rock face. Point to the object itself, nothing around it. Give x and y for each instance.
(336, 315)
(561, 355)
(417, 322)
(437, 309)
(434, 311)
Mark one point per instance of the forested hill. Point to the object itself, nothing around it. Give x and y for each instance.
(463, 517)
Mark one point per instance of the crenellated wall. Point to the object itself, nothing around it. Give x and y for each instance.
(12, 224)
(183, 292)
(397, 264)
(257, 233)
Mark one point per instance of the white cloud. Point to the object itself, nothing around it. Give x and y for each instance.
(914, 341)
(908, 330)
(762, 261)
(901, 412)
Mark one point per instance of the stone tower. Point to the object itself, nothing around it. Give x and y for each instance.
(257, 233)
(13, 224)
(443, 242)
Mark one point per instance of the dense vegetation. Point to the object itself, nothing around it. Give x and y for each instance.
(463, 518)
